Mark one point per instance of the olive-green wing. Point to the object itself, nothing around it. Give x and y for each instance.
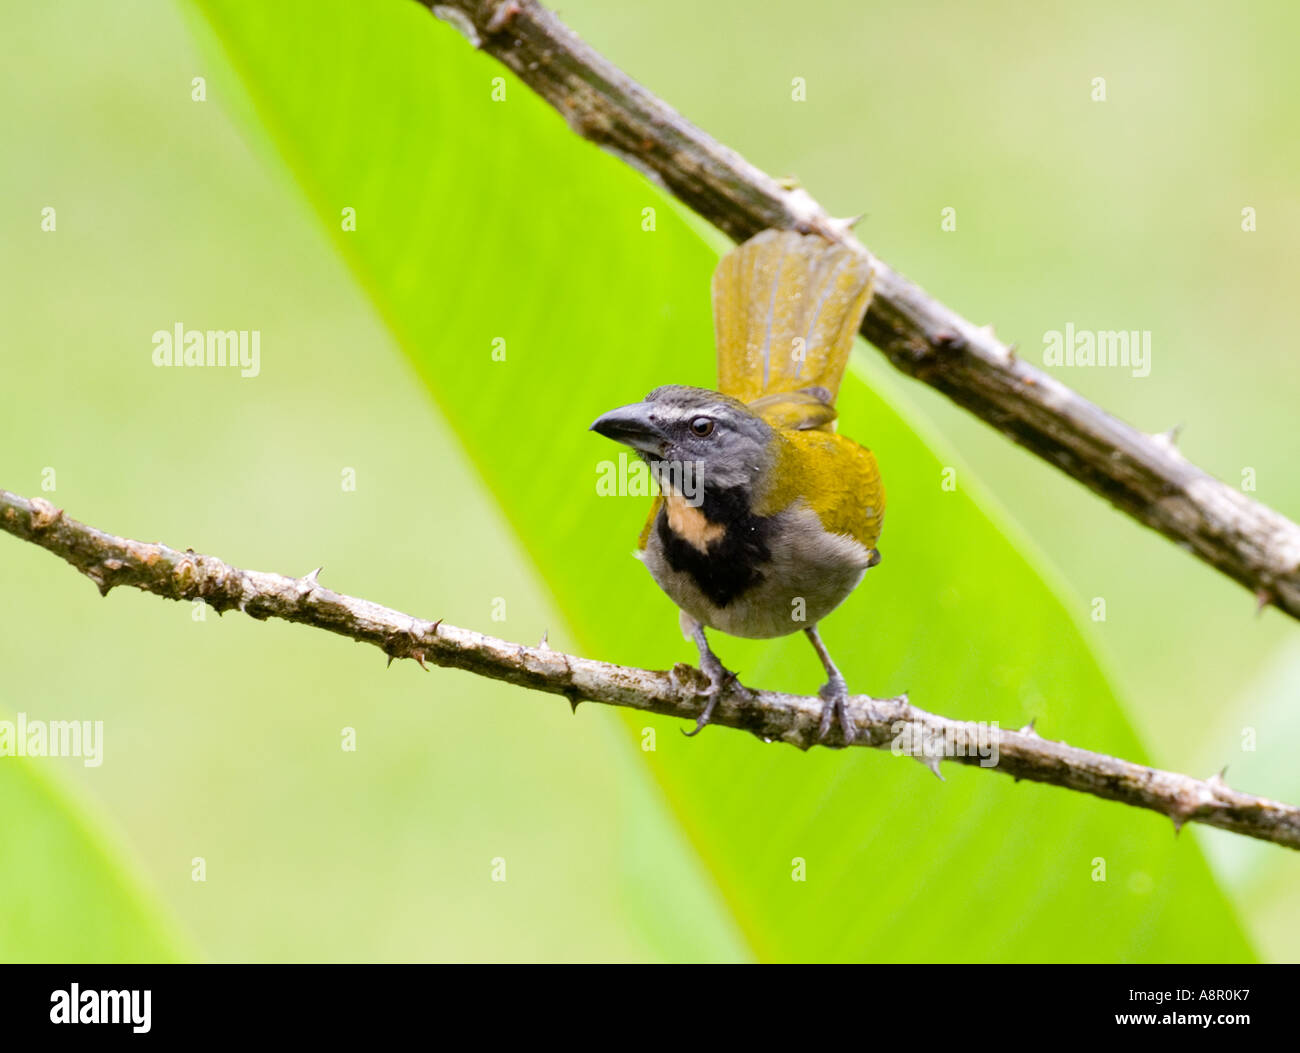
(838, 478)
(644, 538)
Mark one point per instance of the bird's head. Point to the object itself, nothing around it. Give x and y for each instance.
(697, 434)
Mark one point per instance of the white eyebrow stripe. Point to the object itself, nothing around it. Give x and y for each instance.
(686, 414)
(673, 414)
(689, 413)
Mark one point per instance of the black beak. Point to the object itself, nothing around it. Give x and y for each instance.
(636, 425)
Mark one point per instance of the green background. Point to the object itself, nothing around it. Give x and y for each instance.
(480, 219)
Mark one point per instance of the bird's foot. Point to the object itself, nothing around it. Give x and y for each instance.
(720, 679)
(835, 698)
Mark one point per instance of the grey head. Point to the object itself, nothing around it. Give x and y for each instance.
(684, 433)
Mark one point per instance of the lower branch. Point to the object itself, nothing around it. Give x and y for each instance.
(891, 723)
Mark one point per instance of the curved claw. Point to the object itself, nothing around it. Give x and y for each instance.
(719, 680)
(835, 696)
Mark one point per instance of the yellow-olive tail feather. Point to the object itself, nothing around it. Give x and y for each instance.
(786, 309)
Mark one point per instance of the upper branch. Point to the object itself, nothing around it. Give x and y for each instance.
(1144, 475)
(891, 723)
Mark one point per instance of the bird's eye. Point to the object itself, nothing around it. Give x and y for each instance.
(702, 426)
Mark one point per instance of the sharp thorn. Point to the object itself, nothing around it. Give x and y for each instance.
(1262, 599)
(933, 764)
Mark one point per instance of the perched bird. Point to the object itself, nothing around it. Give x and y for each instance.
(766, 519)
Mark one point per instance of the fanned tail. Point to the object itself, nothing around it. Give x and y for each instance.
(786, 307)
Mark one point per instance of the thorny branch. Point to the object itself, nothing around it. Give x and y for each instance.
(1143, 475)
(891, 723)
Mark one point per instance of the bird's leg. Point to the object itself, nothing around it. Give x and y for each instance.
(719, 678)
(834, 693)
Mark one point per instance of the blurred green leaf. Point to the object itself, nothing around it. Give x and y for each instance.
(224, 734)
(480, 221)
(67, 896)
